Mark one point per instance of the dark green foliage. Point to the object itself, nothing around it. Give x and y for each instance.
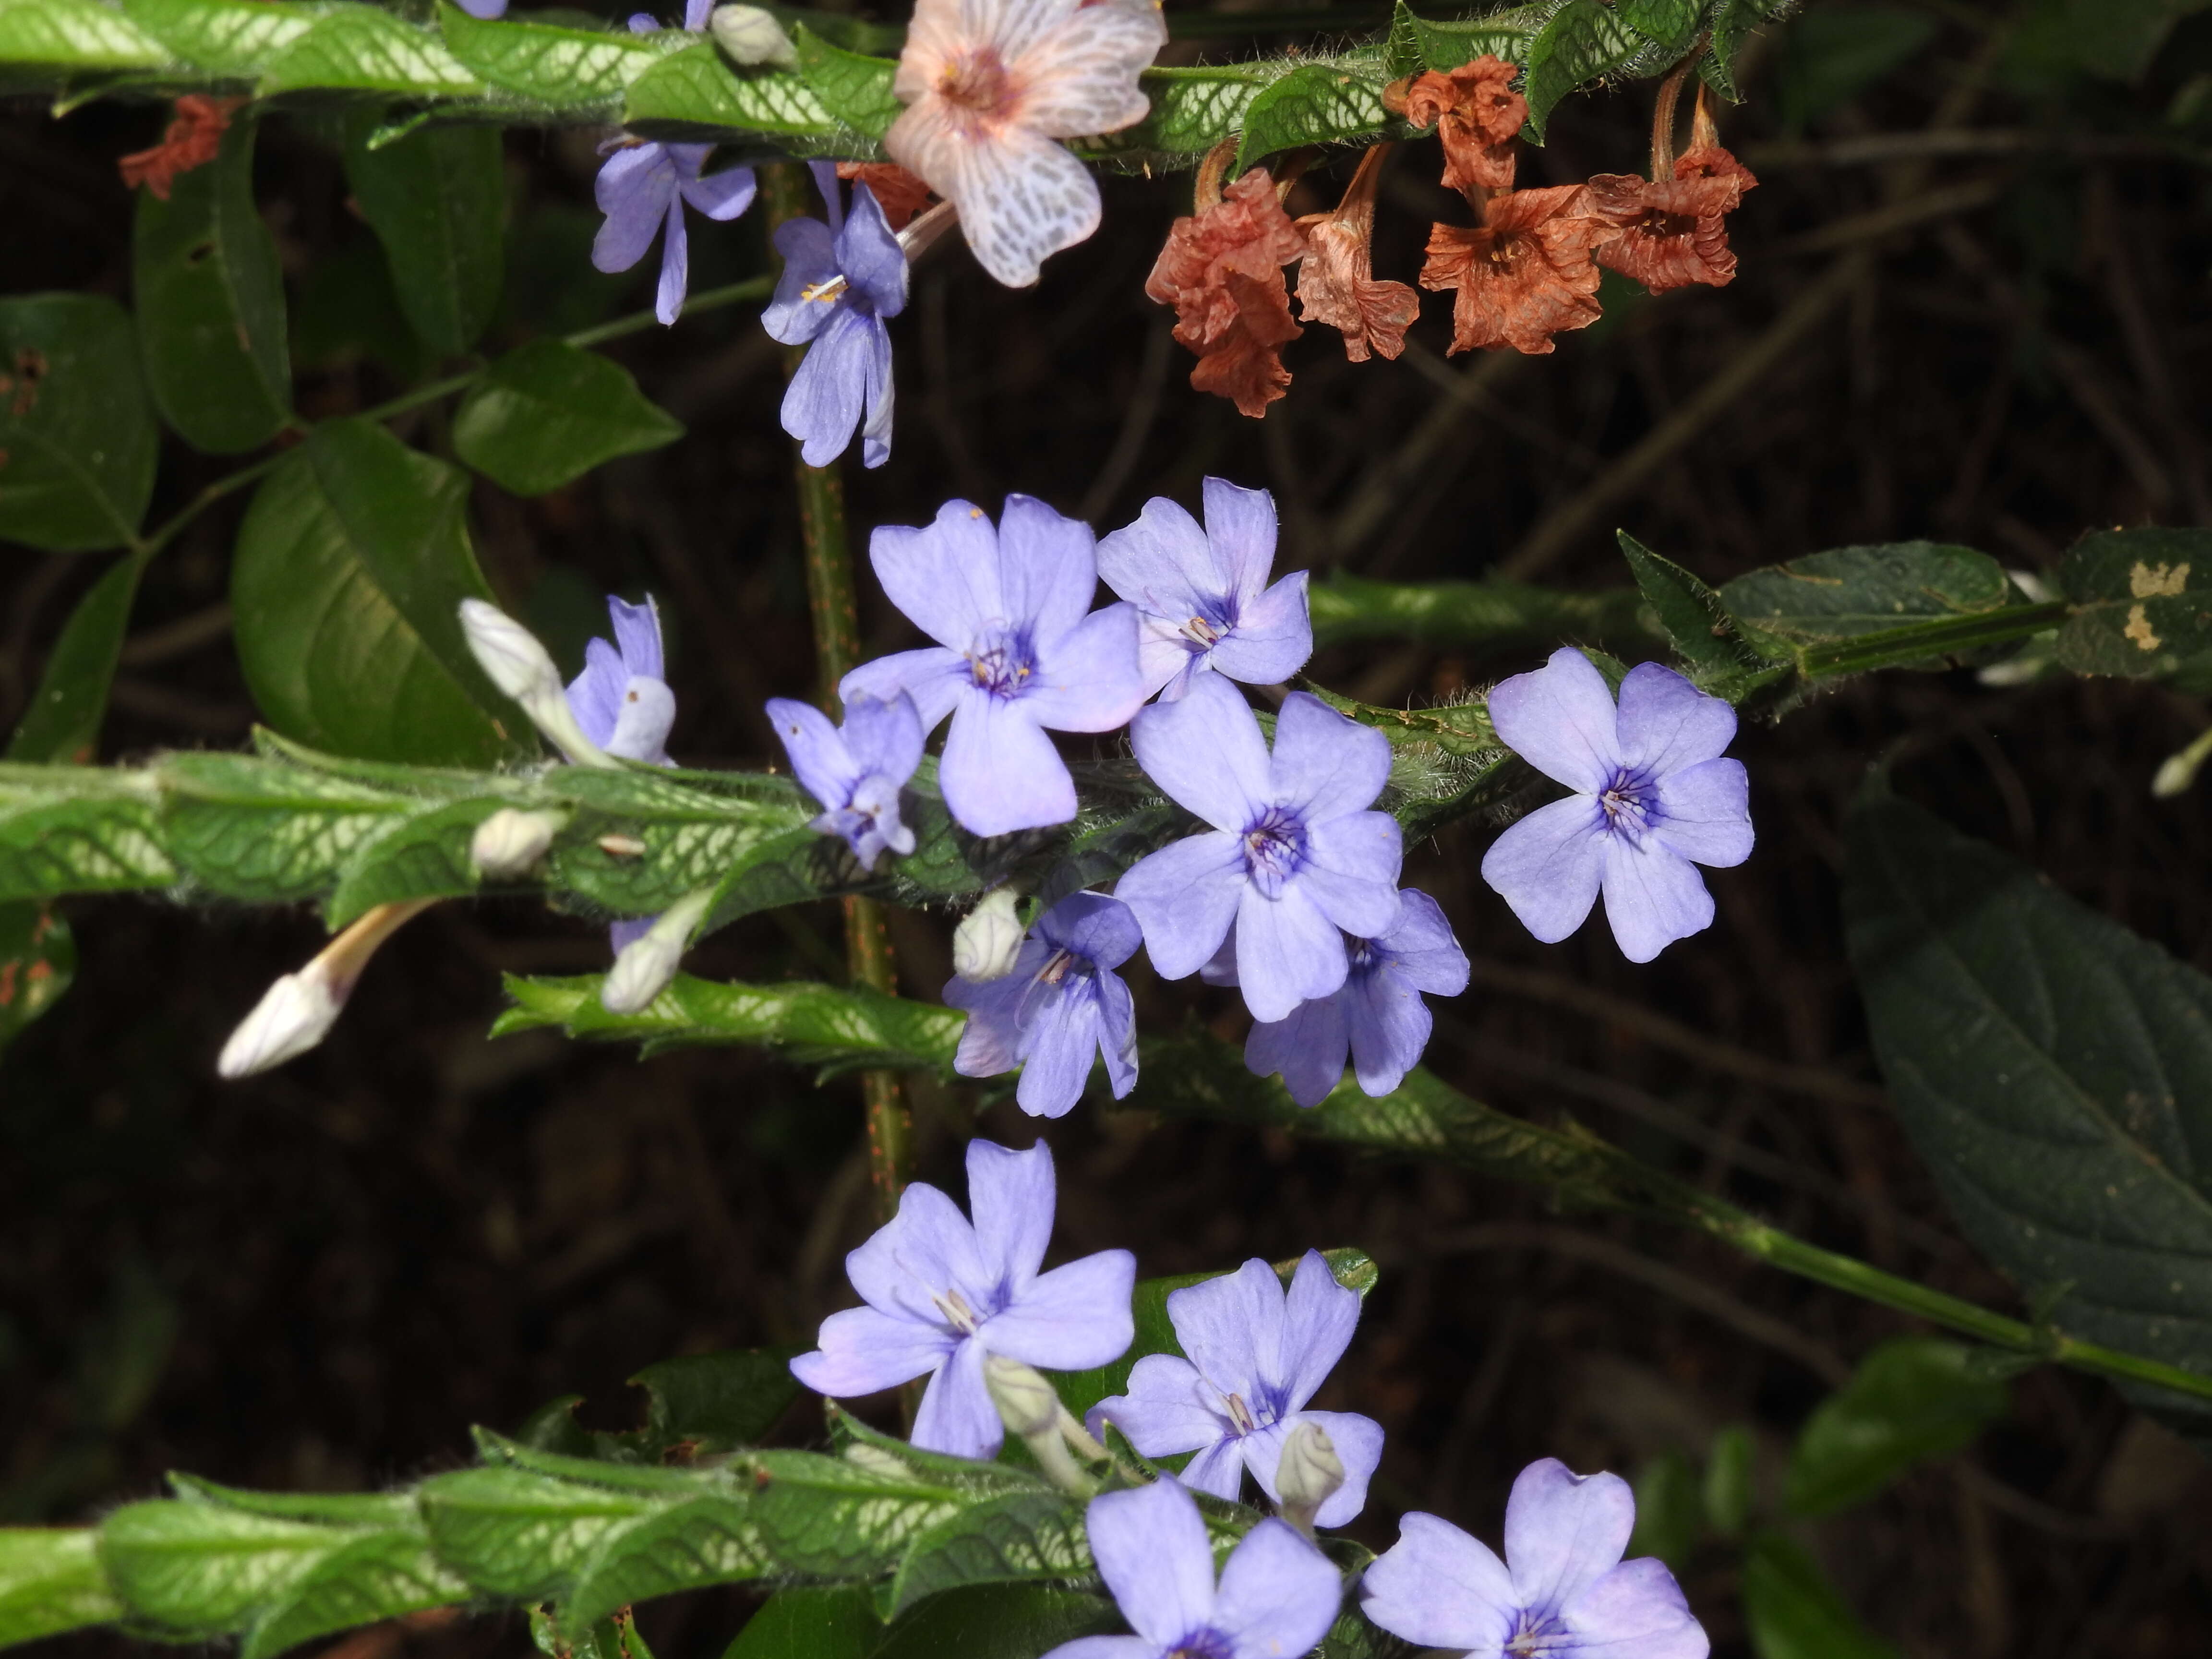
(437, 200)
(2142, 604)
(74, 423)
(1913, 1398)
(547, 413)
(1793, 1611)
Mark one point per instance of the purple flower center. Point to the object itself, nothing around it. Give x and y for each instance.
(1275, 849)
(1629, 802)
(1535, 1633)
(958, 1314)
(1003, 662)
(1214, 618)
(1204, 1643)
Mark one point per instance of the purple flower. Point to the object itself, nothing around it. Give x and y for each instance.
(1018, 650)
(1204, 594)
(1256, 1356)
(855, 773)
(1293, 856)
(839, 281)
(942, 1293)
(484, 11)
(642, 188)
(1062, 1003)
(1562, 1591)
(1651, 797)
(623, 702)
(1277, 1598)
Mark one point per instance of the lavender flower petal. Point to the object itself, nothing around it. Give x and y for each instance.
(642, 723)
(876, 425)
(633, 190)
(1151, 1547)
(927, 1247)
(1560, 720)
(883, 737)
(1438, 1588)
(1287, 950)
(1325, 765)
(1165, 1411)
(944, 576)
(1423, 949)
(1665, 723)
(1092, 926)
(1351, 872)
(1162, 563)
(827, 394)
(1358, 1442)
(810, 259)
(1206, 755)
(869, 254)
(1012, 1197)
(1387, 1024)
(1704, 813)
(1072, 1318)
(1186, 898)
(1319, 1316)
(991, 1040)
(1106, 1647)
(721, 196)
(1273, 638)
(1549, 865)
(932, 677)
(637, 636)
(999, 772)
(1563, 1532)
(1089, 679)
(1048, 566)
(1279, 1594)
(1218, 1470)
(674, 266)
(1652, 897)
(1639, 1609)
(863, 1350)
(956, 1416)
(1240, 526)
(1231, 1327)
(1308, 1047)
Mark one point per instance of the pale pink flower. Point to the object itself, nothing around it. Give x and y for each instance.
(990, 86)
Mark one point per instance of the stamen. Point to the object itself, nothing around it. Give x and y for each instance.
(824, 292)
(958, 1314)
(1240, 1414)
(1204, 632)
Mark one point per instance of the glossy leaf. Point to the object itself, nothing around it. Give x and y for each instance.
(75, 34)
(1912, 1399)
(712, 1539)
(560, 65)
(517, 1533)
(714, 1402)
(76, 431)
(1314, 104)
(855, 90)
(373, 1576)
(211, 304)
(230, 37)
(437, 200)
(1704, 635)
(1583, 40)
(71, 830)
(549, 412)
(2055, 1072)
(2142, 602)
(61, 724)
(50, 1581)
(1034, 1537)
(1794, 1613)
(351, 566)
(810, 1622)
(696, 93)
(361, 48)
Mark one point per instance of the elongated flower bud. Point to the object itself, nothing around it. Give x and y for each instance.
(519, 666)
(1308, 1475)
(986, 943)
(646, 964)
(1030, 1407)
(512, 842)
(752, 36)
(298, 1011)
(2179, 770)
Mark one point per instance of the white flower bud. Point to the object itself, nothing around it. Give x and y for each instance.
(298, 1011)
(2179, 770)
(752, 36)
(647, 963)
(511, 842)
(1309, 1474)
(511, 656)
(988, 941)
(1028, 1405)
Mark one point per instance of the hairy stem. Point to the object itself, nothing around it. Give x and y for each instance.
(834, 611)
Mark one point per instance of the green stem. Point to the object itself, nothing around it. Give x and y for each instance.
(1922, 641)
(833, 609)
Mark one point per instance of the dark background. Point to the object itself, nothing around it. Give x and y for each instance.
(320, 1277)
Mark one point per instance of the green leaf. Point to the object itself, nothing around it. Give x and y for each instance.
(2054, 1071)
(549, 412)
(50, 1581)
(855, 89)
(1726, 1490)
(695, 93)
(38, 960)
(202, 1568)
(828, 1622)
(61, 725)
(350, 568)
(811, 1024)
(840, 1517)
(996, 1622)
(230, 37)
(1730, 22)
(2142, 602)
(74, 830)
(1492, 614)
(566, 67)
(1314, 104)
(75, 34)
(1668, 1514)
(1155, 1332)
(365, 49)
(376, 1575)
(1703, 634)
(714, 1402)
(712, 1539)
(1583, 41)
(1794, 1613)
(1671, 25)
(1192, 110)
(1022, 1538)
(1417, 44)
(437, 200)
(76, 434)
(1905, 605)
(211, 305)
(1912, 1399)
(517, 1533)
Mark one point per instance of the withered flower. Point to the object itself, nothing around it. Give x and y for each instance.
(1672, 230)
(897, 192)
(1222, 271)
(1336, 280)
(1523, 275)
(192, 140)
(1477, 114)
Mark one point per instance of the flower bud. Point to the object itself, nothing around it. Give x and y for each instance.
(645, 965)
(1027, 1403)
(511, 842)
(752, 36)
(986, 943)
(298, 1011)
(1308, 1475)
(511, 656)
(2179, 770)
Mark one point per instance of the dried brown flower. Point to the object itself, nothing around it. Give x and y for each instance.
(1336, 280)
(899, 193)
(1477, 114)
(192, 141)
(1523, 275)
(1222, 271)
(1672, 230)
